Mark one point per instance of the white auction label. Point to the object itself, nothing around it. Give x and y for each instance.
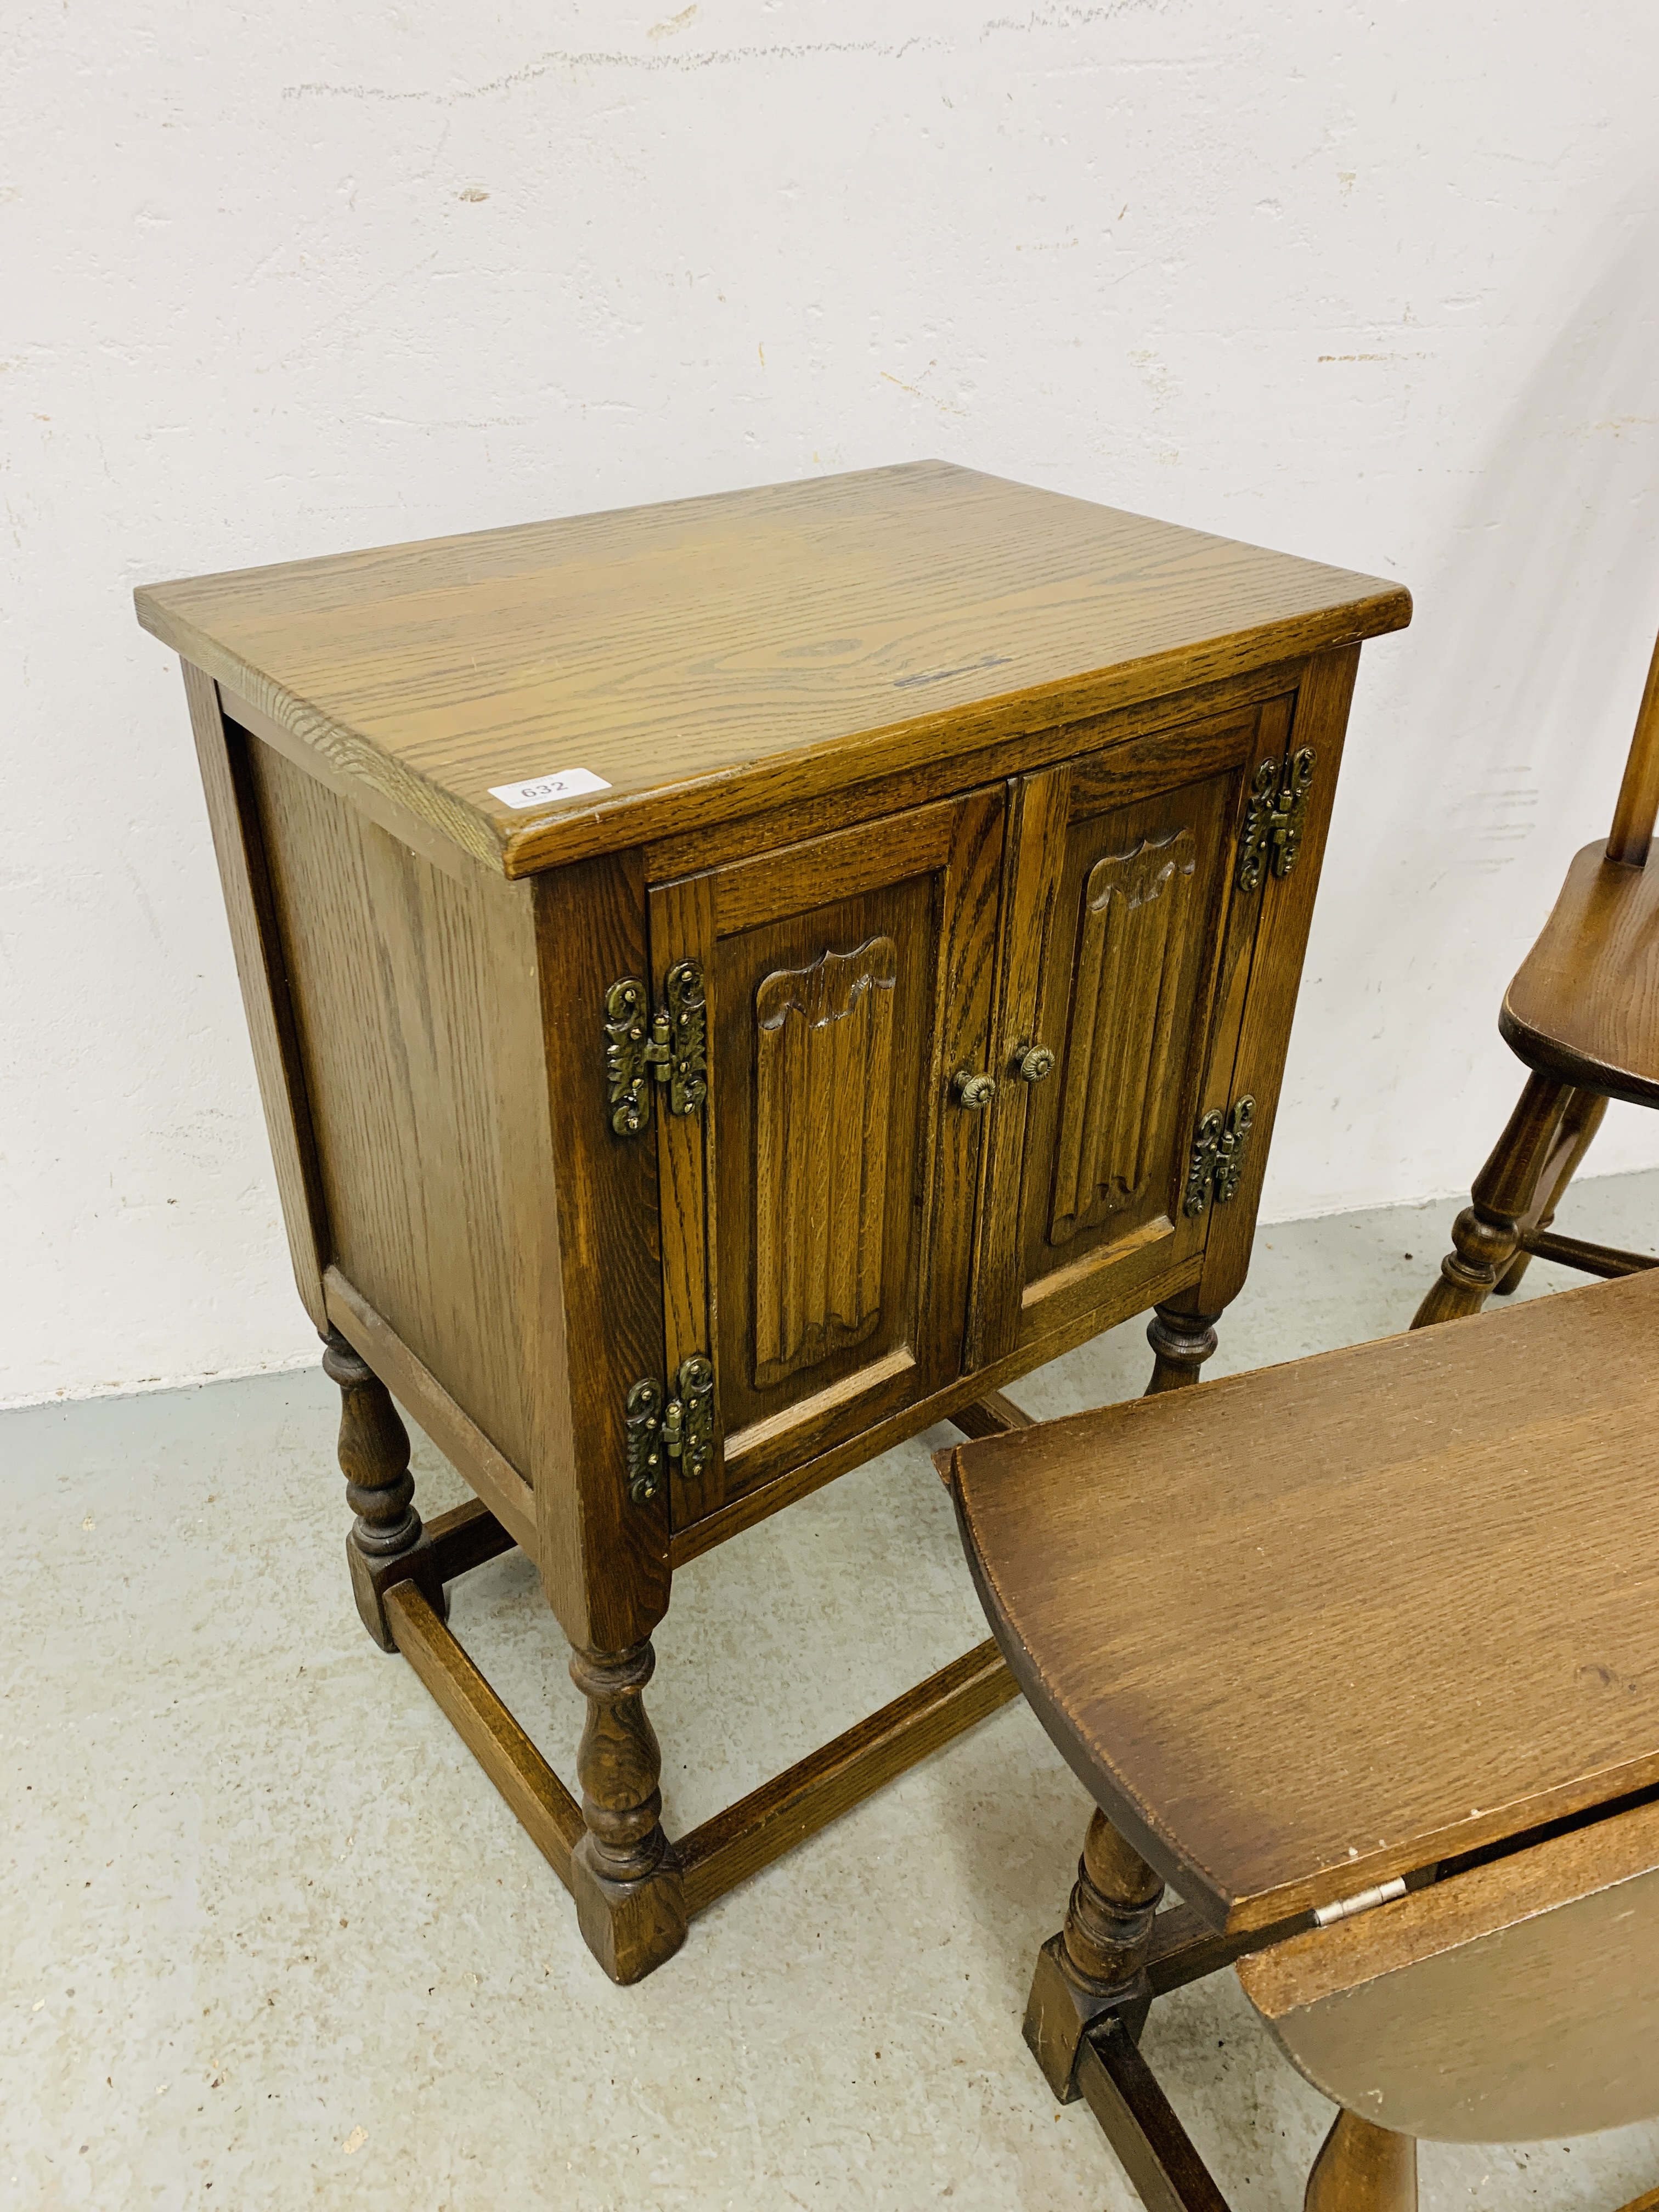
(569, 783)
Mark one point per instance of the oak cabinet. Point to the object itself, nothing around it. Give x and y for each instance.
(955, 1067)
(735, 983)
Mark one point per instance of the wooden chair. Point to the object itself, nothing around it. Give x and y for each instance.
(1583, 1013)
(1361, 1653)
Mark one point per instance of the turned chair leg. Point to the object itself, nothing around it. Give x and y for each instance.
(1484, 1233)
(374, 1454)
(1363, 2168)
(1583, 1117)
(1096, 1963)
(630, 1901)
(1182, 1342)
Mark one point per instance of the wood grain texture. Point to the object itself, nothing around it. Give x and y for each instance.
(1034, 846)
(1089, 803)
(1507, 2004)
(807, 1148)
(823, 1066)
(807, 1797)
(1638, 792)
(385, 1540)
(417, 1009)
(465, 1537)
(683, 928)
(739, 651)
(460, 1440)
(549, 1813)
(1142, 2127)
(1181, 1339)
(773, 1178)
(1308, 1695)
(990, 1414)
(408, 829)
(1127, 1291)
(819, 709)
(1363, 2168)
(1184, 1950)
(604, 1560)
(1138, 917)
(1581, 1116)
(968, 898)
(1129, 1005)
(1604, 1259)
(1320, 720)
(1221, 1083)
(1109, 743)
(1096, 1963)
(795, 879)
(1584, 1004)
(262, 971)
(1486, 1233)
(624, 1874)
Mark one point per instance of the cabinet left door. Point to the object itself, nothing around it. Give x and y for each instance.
(817, 1208)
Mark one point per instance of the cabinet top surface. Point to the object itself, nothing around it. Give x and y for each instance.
(739, 651)
(1409, 1611)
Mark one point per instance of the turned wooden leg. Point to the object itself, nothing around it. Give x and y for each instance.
(1484, 1233)
(385, 1545)
(1095, 1965)
(1182, 1342)
(1583, 1117)
(1362, 2168)
(631, 1903)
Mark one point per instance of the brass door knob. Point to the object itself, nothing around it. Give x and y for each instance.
(974, 1091)
(1036, 1063)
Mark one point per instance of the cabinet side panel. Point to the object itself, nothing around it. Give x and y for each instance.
(419, 1022)
(238, 843)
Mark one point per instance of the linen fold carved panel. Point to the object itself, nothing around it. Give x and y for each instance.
(822, 1116)
(1138, 912)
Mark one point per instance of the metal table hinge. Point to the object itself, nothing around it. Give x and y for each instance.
(1218, 1160)
(682, 1429)
(1275, 818)
(1363, 1900)
(643, 1049)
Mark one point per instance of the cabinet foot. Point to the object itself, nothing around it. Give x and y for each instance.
(386, 1544)
(1182, 1342)
(624, 1874)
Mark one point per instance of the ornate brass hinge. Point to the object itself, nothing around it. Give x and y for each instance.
(669, 1046)
(1275, 818)
(684, 1429)
(1218, 1158)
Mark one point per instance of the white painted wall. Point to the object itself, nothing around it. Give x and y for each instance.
(1376, 284)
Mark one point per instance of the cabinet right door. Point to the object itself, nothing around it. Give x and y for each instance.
(1128, 930)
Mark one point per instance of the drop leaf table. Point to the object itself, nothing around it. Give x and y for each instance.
(733, 983)
(1388, 1717)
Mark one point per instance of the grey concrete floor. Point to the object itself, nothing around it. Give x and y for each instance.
(271, 1938)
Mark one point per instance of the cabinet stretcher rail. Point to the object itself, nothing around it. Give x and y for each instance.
(747, 1835)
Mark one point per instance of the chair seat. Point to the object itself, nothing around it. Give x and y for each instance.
(1301, 1630)
(1585, 1006)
